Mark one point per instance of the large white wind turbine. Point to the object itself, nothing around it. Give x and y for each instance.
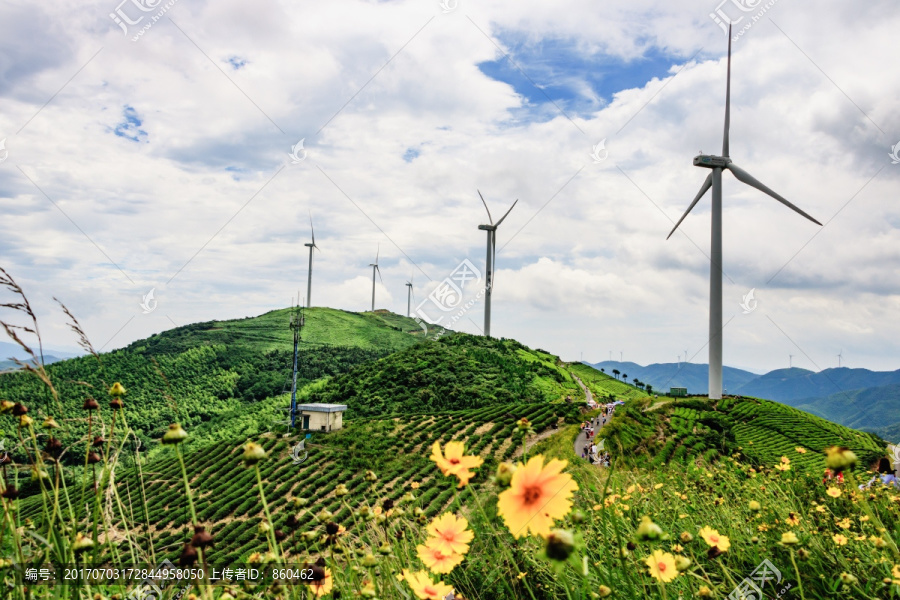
(489, 261)
(714, 181)
(375, 268)
(409, 285)
(311, 246)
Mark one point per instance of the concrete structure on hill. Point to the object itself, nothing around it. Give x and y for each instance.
(320, 417)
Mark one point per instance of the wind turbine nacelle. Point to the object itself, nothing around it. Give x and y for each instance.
(486, 227)
(711, 162)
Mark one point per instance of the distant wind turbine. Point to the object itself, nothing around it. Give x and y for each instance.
(409, 285)
(790, 361)
(312, 246)
(490, 260)
(714, 181)
(375, 268)
(840, 356)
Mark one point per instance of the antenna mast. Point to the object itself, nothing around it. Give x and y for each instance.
(297, 321)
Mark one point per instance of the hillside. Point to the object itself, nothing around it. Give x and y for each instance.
(874, 409)
(203, 373)
(757, 432)
(456, 372)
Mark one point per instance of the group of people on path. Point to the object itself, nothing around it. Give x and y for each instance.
(590, 451)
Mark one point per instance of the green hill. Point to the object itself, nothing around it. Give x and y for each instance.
(873, 409)
(206, 375)
(759, 432)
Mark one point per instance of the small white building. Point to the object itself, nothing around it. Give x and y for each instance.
(320, 416)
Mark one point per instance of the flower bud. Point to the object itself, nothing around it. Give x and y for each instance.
(253, 453)
(82, 543)
(604, 591)
(6, 406)
(682, 562)
(341, 490)
(202, 538)
(848, 579)
(754, 506)
(560, 544)
(648, 530)
(50, 423)
(300, 502)
(117, 389)
(263, 528)
(839, 458)
(369, 560)
(174, 435)
(789, 538)
(90, 404)
(371, 476)
(25, 421)
(504, 474)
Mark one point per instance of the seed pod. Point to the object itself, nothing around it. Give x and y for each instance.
(188, 556)
(98, 441)
(388, 504)
(175, 434)
(93, 458)
(10, 493)
(331, 528)
(280, 536)
(201, 538)
(53, 447)
(19, 409)
(90, 404)
(320, 562)
(116, 404)
(291, 522)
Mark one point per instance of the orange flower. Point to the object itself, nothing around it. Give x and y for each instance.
(451, 533)
(423, 587)
(432, 554)
(537, 495)
(453, 462)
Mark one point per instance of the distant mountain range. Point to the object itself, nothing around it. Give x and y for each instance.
(8, 351)
(858, 398)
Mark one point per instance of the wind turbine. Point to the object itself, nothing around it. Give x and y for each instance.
(409, 285)
(489, 261)
(790, 361)
(375, 268)
(840, 356)
(714, 180)
(311, 246)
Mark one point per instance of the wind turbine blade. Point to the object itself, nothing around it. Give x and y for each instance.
(725, 148)
(379, 274)
(377, 252)
(313, 231)
(490, 218)
(750, 180)
(703, 189)
(507, 213)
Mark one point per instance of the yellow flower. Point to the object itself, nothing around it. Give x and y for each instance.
(662, 566)
(630, 489)
(432, 554)
(843, 523)
(800, 450)
(712, 538)
(423, 587)
(839, 539)
(521, 575)
(838, 458)
(537, 495)
(453, 461)
(896, 571)
(414, 485)
(878, 541)
(658, 485)
(704, 591)
(833, 492)
(604, 591)
(864, 518)
(451, 534)
(762, 527)
(785, 460)
(686, 537)
(754, 505)
(684, 497)
(793, 520)
(821, 509)
(783, 467)
(677, 547)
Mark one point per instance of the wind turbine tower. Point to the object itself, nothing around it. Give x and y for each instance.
(490, 260)
(312, 246)
(717, 164)
(374, 269)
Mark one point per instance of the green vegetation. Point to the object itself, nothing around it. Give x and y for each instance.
(458, 371)
(603, 386)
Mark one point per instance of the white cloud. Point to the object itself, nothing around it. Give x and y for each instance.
(584, 265)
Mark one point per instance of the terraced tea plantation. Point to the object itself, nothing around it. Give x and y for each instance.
(227, 498)
(760, 430)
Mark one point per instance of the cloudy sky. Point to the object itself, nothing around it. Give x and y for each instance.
(156, 146)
